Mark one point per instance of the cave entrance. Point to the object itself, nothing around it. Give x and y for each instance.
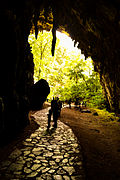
(69, 74)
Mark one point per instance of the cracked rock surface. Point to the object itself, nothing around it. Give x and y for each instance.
(53, 154)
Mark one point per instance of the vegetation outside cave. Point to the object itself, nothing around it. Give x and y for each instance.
(69, 75)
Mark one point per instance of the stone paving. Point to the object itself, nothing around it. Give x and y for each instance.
(45, 155)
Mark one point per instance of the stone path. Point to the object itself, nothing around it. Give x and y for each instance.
(53, 155)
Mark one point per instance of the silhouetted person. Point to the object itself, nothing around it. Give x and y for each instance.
(54, 111)
(69, 102)
(76, 102)
(80, 106)
(85, 103)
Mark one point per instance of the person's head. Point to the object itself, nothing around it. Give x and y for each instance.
(57, 98)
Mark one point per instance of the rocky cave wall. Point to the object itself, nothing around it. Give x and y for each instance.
(16, 70)
(95, 25)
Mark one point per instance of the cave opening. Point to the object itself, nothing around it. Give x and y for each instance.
(69, 74)
(84, 25)
(94, 25)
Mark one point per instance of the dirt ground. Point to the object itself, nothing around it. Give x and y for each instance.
(100, 142)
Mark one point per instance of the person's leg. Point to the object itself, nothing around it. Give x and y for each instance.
(49, 118)
(55, 116)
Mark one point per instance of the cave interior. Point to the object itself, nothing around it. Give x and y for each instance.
(95, 25)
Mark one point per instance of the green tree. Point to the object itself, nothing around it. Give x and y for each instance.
(68, 73)
(41, 50)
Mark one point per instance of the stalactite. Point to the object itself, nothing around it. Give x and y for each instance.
(54, 29)
(36, 30)
(35, 20)
(54, 39)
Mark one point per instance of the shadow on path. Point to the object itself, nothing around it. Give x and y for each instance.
(48, 155)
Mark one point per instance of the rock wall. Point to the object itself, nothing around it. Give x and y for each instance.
(95, 25)
(16, 73)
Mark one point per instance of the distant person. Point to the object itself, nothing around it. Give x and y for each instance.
(80, 106)
(54, 111)
(76, 102)
(69, 102)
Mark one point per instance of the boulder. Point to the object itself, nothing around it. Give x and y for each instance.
(38, 94)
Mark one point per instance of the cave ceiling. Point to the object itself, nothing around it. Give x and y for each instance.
(94, 24)
(91, 23)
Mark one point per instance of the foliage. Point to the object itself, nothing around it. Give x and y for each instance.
(68, 73)
(104, 115)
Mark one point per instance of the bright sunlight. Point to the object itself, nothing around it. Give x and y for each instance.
(68, 43)
(65, 41)
(68, 73)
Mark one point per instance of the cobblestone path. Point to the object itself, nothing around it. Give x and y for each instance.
(53, 155)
